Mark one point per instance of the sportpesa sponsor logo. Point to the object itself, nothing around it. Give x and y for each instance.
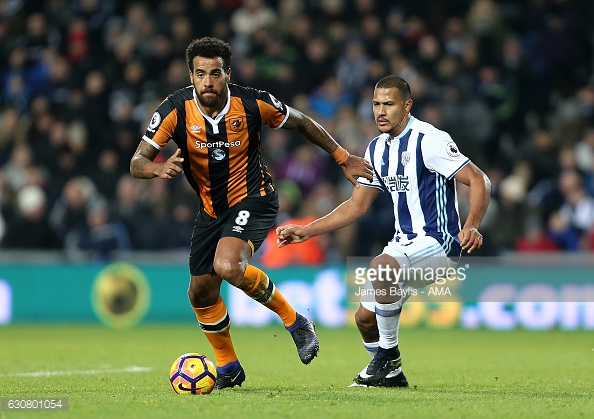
(217, 144)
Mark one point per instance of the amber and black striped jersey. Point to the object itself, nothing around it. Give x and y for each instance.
(222, 156)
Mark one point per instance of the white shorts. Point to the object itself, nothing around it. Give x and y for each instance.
(421, 254)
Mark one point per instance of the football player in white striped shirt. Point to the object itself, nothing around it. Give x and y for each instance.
(418, 165)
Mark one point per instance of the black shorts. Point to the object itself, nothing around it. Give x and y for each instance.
(250, 220)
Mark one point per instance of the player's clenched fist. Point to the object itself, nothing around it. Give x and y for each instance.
(170, 168)
(470, 239)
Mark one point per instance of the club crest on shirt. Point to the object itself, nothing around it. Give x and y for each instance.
(452, 149)
(236, 124)
(405, 157)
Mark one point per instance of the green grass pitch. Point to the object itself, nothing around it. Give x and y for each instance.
(453, 373)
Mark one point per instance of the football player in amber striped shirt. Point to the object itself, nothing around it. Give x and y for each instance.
(216, 126)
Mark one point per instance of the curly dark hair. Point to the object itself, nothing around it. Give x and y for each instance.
(209, 48)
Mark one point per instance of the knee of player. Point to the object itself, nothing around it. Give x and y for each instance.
(231, 272)
(385, 266)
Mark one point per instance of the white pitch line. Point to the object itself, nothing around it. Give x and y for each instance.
(77, 372)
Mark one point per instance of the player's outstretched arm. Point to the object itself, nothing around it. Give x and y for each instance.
(346, 213)
(142, 165)
(480, 195)
(352, 166)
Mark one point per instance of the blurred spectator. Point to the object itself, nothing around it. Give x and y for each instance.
(561, 49)
(511, 206)
(351, 68)
(535, 240)
(584, 152)
(13, 132)
(330, 97)
(30, 228)
(14, 81)
(251, 16)
(128, 208)
(106, 173)
(584, 158)
(578, 209)
(427, 55)
(316, 65)
(485, 24)
(305, 166)
(371, 34)
(501, 96)
(95, 110)
(15, 171)
(453, 36)
(181, 34)
(78, 198)
(210, 18)
(245, 21)
(38, 37)
(78, 41)
(100, 236)
(563, 234)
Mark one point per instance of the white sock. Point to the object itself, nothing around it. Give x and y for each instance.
(388, 321)
(371, 347)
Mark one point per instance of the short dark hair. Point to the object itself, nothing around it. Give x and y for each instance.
(209, 48)
(397, 82)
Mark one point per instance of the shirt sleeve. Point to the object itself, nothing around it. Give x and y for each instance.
(274, 112)
(162, 125)
(376, 183)
(442, 155)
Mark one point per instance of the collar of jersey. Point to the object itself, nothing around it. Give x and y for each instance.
(404, 131)
(221, 114)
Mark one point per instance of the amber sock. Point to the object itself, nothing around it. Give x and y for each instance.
(258, 286)
(214, 321)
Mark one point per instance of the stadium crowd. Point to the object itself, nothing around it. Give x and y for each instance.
(511, 80)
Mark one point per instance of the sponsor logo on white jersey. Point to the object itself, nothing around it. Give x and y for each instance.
(398, 183)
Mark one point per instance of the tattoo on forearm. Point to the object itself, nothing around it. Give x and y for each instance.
(316, 134)
(145, 153)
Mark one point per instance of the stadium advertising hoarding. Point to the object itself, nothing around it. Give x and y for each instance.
(501, 295)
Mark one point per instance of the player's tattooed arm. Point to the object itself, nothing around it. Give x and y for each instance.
(311, 130)
(352, 166)
(142, 165)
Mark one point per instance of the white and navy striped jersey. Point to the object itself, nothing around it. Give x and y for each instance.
(417, 168)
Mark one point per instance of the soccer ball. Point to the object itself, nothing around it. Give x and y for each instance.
(193, 373)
